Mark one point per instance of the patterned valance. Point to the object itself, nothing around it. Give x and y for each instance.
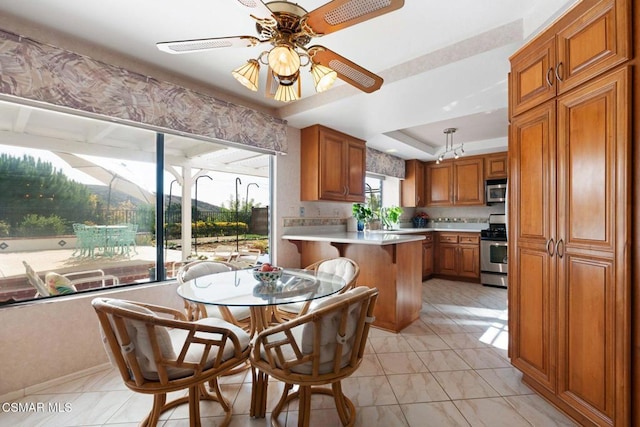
(384, 164)
(39, 72)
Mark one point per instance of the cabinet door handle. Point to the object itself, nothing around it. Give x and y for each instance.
(558, 71)
(560, 248)
(548, 77)
(550, 247)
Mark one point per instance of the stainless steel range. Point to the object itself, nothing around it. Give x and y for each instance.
(493, 252)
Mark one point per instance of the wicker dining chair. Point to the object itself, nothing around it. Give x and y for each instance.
(239, 316)
(344, 267)
(313, 351)
(156, 354)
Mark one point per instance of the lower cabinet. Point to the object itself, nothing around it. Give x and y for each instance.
(427, 256)
(457, 256)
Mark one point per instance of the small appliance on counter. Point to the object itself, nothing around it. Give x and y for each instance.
(493, 252)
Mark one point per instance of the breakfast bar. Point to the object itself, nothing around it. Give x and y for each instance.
(389, 262)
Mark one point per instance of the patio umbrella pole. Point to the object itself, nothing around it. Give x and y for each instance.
(195, 237)
(238, 181)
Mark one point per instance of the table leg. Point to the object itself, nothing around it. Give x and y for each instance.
(258, 393)
(259, 320)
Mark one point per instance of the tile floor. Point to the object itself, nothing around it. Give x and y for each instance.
(447, 369)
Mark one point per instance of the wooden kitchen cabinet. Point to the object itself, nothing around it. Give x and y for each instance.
(468, 181)
(412, 186)
(495, 166)
(569, 287)
(457, 255)
(332, 165)
(455, 182)
(439, 184)
(572, 51)
(427, 255)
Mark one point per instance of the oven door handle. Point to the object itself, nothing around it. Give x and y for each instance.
(498, 245)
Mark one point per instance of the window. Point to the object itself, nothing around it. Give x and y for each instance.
(78, 201)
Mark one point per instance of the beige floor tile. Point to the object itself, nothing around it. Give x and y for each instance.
(506, 381)
(369, 366)
(401, 363)
(416, 328)
(491, 412)
(482, 358)
(442, 360)
(538, 412)
(433, 414)
(426, 342)
(415, 388)
(380, 416)
(390, 344)
(369, 391)
(464, 340)
(464, 385)
(92, 408)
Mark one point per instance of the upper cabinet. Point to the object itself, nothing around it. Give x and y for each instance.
(412, 186)
(495, 166)
(456, 182)
(570, 53)
(332, 165)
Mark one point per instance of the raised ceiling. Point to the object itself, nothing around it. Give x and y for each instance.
(445, 64)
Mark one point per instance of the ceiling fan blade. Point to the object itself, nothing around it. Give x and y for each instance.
(348, 71)
(339, 14)
(189, 46)
(258, 10)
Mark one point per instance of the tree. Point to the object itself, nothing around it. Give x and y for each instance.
(34, 187)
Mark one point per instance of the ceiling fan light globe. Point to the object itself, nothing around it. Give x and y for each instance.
(286, 93)
(283, 60)
(323, 77)
(248, 74)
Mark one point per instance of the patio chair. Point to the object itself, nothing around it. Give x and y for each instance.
(346, 268)
(247, 258)
(156, 354)
(224, 253)
(239, 316)
(313, 351)
(36, 281)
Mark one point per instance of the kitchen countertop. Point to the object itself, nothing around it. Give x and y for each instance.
(453, 228)
(379, 238)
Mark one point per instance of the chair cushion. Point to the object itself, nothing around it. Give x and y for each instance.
(239, 312)
(342, 267)
(57, 284)
(303, 335)
(329, 330)
(199, 269)
(171, 341)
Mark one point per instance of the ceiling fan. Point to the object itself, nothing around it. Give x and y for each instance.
(289, 28)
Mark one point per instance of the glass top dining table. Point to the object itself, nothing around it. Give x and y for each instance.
(241, 288)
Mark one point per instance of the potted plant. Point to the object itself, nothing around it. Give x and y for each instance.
(362, 214)
(390, 216)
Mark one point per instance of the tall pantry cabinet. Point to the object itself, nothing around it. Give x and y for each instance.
(570, 212)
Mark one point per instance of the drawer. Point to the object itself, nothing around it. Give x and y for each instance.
(470, 239)
(447, 238)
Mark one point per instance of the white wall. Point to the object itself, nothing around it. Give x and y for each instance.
(49, 339)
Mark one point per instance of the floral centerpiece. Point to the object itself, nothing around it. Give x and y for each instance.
(420, 220)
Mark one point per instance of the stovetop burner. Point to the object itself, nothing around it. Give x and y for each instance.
(497, 228)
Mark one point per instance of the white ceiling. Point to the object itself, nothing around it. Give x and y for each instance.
(444, 63)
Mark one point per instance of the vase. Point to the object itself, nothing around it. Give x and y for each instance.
(360, 226)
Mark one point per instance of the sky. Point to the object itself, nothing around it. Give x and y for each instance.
(217, 191)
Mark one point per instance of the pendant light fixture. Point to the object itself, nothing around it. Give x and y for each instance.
(448, 146)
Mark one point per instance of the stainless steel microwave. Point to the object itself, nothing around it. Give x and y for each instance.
(496, 191)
